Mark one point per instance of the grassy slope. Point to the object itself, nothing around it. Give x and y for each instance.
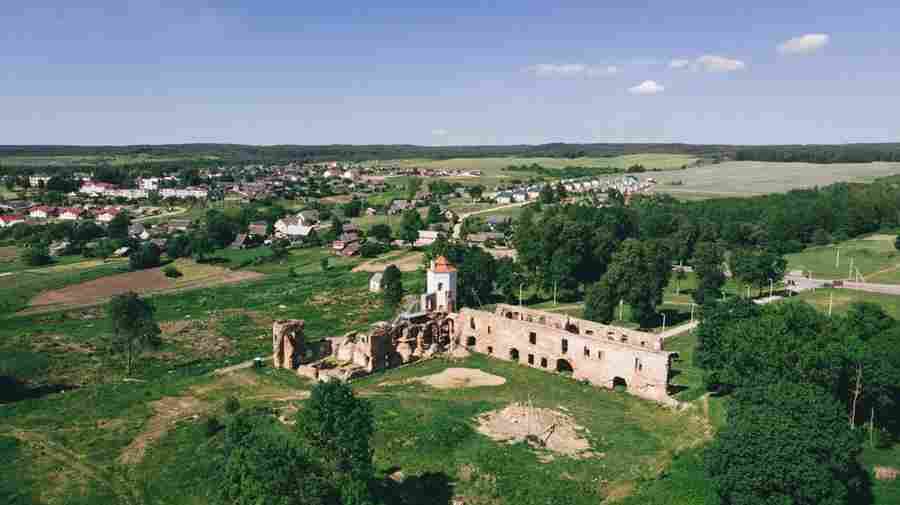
(876, 254)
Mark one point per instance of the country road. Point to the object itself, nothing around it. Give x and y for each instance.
(458, 226)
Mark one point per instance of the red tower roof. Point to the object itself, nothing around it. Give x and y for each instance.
(442, 266)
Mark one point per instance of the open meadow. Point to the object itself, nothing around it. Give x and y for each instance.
(748, 178)
(874, 257)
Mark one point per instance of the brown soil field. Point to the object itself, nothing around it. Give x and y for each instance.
(144, 281)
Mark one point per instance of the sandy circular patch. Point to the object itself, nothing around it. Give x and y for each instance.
(544, 428)
(453, 378)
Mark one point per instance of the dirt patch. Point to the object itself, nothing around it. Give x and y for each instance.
(454, 378)
(405, 262)
(881, 237)
(541, 428)
(199, 336)
(8, 253)
(886, 473)
(145, 281)
(168, 410)
(618, 491)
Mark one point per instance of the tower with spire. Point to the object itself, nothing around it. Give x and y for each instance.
(440, 292)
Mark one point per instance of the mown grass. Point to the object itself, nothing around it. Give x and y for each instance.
(841, 299)
(869, 256)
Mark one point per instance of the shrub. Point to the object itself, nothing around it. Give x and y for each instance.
(172, 272)
(212, 425)
(232, 405)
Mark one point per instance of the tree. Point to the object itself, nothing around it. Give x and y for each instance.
(381, 232)
(201, 246)
(476, 273)
(38, 254)
(600, 302)
(324, 264)
(410, 225)
(897, 242)
(118, 227)
(638, 273)
(144, 256)
(476, 191)
(786, 444)
(412, 187)
(262, 465)
(133, 325)
(353, 208)
(708, 265)
(547, 195)
(220, 230)
(509, 279)
(336, 428)
(434, 215)
(178, 246)
(758, 267)
(393, 287)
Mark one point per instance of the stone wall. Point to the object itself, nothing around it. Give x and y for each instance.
(606, 356)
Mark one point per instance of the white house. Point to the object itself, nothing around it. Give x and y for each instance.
(94, 188)
(71, 213)
(7, 220)
(41, 212)
(108, 214)
(38, 180)
(291, 227)
(376, 282)
(149, 183)
(189, 192)
(427, 237)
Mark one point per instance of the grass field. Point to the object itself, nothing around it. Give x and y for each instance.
(875, 257)
(747, 178)
(842, 298)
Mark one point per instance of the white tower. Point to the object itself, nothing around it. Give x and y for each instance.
(440, 292)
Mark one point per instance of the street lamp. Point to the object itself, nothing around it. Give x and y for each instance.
(664, 322)
(771, 287)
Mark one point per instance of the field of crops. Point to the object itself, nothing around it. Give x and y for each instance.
(747, 178)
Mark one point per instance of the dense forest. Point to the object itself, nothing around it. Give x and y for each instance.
(210, 154)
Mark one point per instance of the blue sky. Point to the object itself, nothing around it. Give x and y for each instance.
(503, 72)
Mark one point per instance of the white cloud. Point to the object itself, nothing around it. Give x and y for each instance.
(440, 132)
(804, 44)
(713, 63)
(679, 63)
(571, 70)
(647, 88)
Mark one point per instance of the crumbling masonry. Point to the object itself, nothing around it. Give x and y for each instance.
(606, 356)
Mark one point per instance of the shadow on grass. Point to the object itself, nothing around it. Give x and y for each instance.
(12, 390)
(429, 488)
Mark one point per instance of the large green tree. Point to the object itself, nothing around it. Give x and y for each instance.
(133, 324)
(708, 264)
(143, 256)
(410, 225)
(786, 443)
(35, 255)
(336, 429)
(392, 282)
(638, 273)
(758, 268)
(118, 227)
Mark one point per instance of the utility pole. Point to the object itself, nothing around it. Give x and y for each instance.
(621, 310)
(554, 293)
(837, 261)
(830, 302)
(771, 287)
(850, 275)
(692, 312)
(664, 322)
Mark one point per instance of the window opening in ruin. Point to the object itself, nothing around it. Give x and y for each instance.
(637, 364)
(532, 338)
(514, 354)
(565, 346)
(440, 286)
(589, 332)
(619, 384)
(470, 342)
(599, 354)
(489, 330)
(543, 362)
(509, 315)
(587, 352)
(564, 367)
(643, 343)
(624, 338)
(472, 323)
(531, 359)
(490, 350)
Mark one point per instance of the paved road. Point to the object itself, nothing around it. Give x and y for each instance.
(803, 284)
(458, 226)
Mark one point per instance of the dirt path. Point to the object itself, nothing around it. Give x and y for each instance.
(69, 459)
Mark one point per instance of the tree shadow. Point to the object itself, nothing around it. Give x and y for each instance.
(13, 390)
(429, 488)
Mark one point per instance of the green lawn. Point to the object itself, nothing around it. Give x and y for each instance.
(842, 298)
(871, 256)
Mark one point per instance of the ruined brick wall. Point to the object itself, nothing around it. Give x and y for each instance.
(606, 356)
(288, 343)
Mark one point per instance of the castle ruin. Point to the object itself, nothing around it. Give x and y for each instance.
(605, 356)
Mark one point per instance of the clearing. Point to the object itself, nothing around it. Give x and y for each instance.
(874, 257)
(151, 280)
(404, 260)
(748, 178)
